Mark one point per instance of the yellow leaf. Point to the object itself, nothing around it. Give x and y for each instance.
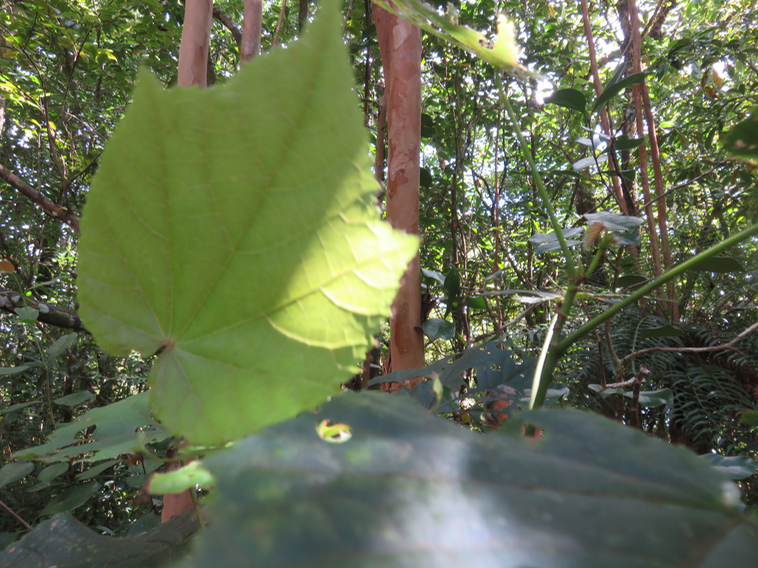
(7, 266)
(716, 79)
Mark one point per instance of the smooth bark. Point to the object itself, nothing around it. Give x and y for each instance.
(250, 46)
(193, 52)
(400, 46)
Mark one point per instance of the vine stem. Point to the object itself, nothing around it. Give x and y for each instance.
(558, 350)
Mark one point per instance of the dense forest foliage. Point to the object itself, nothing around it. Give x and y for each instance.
(626, 110)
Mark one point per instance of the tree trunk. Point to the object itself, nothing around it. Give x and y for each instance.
(193, 53)
(251, 30)
(400, 46)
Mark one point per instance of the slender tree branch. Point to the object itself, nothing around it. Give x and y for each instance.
(279, 23)
(49, 314)
(229, 25)
(722, 347)
(49, 207)
(27, 526)
(685, 184)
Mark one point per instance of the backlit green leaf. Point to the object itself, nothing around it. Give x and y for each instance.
(233, 230)
(568, 98)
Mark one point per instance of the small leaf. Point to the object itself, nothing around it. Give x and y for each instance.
(546, 242)
(59, 347)
(653, 399)
(667, 330)
(624, 238)
(425, 178)
(186, 477)
(72, 499)
(439, 392)
(625, 143)
(64, 542)
(14, 471)
(19, 406)
(614, 221)
(48, 474)
(75, 399)
(572, 99)
(742, 140)
(452, 284)
(630, 280)
(589, 161)
(27, 314)
(476, 303)
(116, 432)
(734, 467)
(612, 90)
(96, 470)
(15, 370)
(719, 264)
(427, 128)
(433, 275)
(436, 328)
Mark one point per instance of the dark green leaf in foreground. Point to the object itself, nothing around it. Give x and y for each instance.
(234, 231)
(411, 489)
(64, 542)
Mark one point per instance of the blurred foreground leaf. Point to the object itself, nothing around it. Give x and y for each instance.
(411, 489)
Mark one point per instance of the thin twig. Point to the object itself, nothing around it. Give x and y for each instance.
(279, 23)
(729, 345)
(27, 526)
(685, 184)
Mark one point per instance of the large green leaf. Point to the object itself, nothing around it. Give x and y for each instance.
(234, 231)
(410, 489)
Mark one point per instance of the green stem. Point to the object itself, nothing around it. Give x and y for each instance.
(602, 247)
(558, 350)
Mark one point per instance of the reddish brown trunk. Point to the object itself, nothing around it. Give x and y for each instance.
(400, 46)
(250, 46)
(617, 189)
(193, 53)
(644, 178)
(175, 503)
